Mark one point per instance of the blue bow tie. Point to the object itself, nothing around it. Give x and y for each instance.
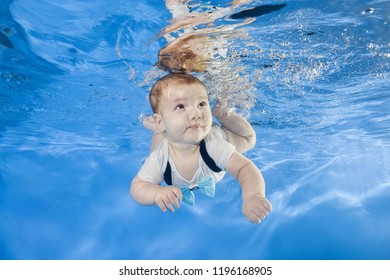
(206, 186)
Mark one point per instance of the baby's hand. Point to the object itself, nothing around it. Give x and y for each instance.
(168, 197)
(256, 208)
(219, 107)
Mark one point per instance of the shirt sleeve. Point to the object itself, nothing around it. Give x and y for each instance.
(219, 149)
(152, 169)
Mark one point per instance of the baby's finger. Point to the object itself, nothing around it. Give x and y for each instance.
(259, 213)
(161, 205)
(173, 200)
(267, 205)
(178, 194)
(262, 216)
(252, 217)
(168, 204)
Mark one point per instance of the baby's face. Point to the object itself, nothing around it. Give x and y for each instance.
(185, 114)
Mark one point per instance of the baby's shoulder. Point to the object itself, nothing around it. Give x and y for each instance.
(160, 153)
(219, 149)
(216, 134)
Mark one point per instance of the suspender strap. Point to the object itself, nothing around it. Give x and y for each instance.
(206, 158)
(168, 175)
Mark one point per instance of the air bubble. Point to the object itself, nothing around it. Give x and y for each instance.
(371, 46)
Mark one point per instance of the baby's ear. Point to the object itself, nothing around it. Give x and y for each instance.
(160, 122)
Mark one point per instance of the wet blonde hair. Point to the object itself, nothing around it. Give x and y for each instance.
(172, 79)
(185, 55)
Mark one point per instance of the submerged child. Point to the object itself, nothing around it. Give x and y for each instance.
(189, 152)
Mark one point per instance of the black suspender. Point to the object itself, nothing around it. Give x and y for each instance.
(168, 174)
(206, 158)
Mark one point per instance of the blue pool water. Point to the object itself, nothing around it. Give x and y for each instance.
(74, 77)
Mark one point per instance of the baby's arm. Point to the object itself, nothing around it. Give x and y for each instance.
(239, 132)
(255, 206)
(148, 193)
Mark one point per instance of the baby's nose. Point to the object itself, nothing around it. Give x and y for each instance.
(196, 114)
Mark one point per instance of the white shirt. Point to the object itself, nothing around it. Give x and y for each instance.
(219, 149)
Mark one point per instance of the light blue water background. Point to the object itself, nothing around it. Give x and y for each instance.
(71, 140)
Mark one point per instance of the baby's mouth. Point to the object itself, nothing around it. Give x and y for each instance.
(194, 127)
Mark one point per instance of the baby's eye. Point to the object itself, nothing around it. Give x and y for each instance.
(203, 103)
(179, 107)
